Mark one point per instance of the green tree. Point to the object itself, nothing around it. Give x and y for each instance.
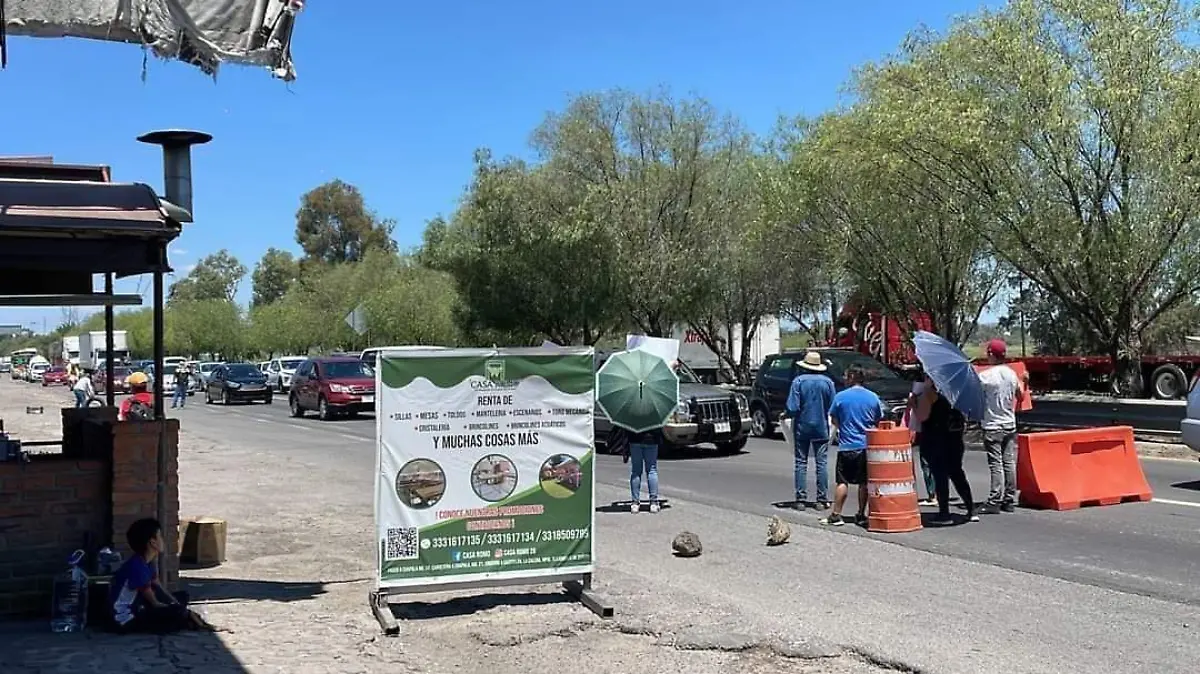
(1072, 126)
(904, 239)
(216, 277)
(211, 326)
(273, 275)
(334, 225)
(516, 250)
(642, 167)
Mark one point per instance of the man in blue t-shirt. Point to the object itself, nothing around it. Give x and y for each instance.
(808, 406)
(854, 410)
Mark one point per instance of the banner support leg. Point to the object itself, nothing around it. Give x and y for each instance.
(383, 613)
(582, 591)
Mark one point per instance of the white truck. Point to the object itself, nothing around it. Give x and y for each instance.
(70, 350)
(707, 364)
(93, 349)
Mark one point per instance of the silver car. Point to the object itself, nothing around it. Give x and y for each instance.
(1190, 427)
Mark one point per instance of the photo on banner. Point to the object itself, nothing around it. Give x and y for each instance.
(485, 465)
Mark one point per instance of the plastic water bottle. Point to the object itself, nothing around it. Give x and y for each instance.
(70, 597)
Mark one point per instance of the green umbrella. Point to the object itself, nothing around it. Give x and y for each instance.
(637, 390)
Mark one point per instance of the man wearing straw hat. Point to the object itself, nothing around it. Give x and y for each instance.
(808, 406)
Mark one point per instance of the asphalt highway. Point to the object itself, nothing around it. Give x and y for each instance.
(1150, 549)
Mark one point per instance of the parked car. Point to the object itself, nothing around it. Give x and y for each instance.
(768, 398)
(1190, 427)
(232, 382)
(5, 366)
(333, 386)
(120, 374)
(280, 371)
(706, 414)
(55, 376)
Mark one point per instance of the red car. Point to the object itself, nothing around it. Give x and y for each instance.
(55, 376)
(333, 386)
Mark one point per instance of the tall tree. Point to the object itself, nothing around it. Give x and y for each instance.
(903, 237)
(273, 275)
(334, 225)
(1072, 125)
(643, 164)
(216, 277)
(517, 250)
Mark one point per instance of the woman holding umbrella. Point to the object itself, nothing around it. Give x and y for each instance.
(952, 394)
(942, 445)
(639, 392)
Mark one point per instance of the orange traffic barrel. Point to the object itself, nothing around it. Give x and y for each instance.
(891, 481)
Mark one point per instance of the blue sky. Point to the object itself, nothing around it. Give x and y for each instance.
(394, 97)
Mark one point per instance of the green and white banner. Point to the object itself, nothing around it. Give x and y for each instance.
(485, 465)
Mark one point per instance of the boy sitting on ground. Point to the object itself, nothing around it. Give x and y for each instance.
(139, 602)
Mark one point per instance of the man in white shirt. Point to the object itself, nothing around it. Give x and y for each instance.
(83, 389)
(1001, 390)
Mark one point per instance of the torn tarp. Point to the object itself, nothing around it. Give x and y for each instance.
(204, 33)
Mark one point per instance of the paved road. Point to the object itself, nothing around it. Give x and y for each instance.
(1152, 549)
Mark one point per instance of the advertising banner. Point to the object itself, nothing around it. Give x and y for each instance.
(484, 465)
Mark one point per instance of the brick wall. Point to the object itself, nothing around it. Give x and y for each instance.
(135, 486)
(49, 507)
(56, 504)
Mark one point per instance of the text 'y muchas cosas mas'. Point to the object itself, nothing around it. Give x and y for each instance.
(478, 440)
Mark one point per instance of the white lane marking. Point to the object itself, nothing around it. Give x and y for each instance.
(1190, 504)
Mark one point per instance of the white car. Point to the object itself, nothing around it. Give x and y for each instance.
(1190, 428)
(280, 371)
(36, 371)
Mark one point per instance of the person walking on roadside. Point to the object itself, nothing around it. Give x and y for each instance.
(914, 426)
(808, 405)
(855, 409)
(83, 389)
(1002, 391)
(942, 429)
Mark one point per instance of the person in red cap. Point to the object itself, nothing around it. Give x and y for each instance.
(1001, 391)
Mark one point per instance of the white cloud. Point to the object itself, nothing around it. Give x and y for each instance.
(187, 269)
(178, 251)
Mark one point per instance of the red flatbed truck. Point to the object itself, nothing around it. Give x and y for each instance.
(1166, 377)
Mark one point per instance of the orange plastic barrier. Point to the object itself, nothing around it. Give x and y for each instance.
(1026, 402)
(891, 483)
(1062, 470)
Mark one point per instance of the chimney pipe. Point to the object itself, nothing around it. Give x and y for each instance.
(177, 162)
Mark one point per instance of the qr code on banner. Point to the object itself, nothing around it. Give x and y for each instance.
(402, 544)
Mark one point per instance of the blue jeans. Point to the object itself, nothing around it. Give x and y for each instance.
(80, 399)
(643, 456)
(817, 447)
(180, 397)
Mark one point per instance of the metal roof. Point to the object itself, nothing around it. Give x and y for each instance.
(81, 226)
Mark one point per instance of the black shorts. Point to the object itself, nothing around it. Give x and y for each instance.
(851, 467)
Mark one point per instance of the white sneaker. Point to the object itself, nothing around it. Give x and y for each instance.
(654, 506)
(635, 507)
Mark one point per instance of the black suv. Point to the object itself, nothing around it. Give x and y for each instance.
(773, 382)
